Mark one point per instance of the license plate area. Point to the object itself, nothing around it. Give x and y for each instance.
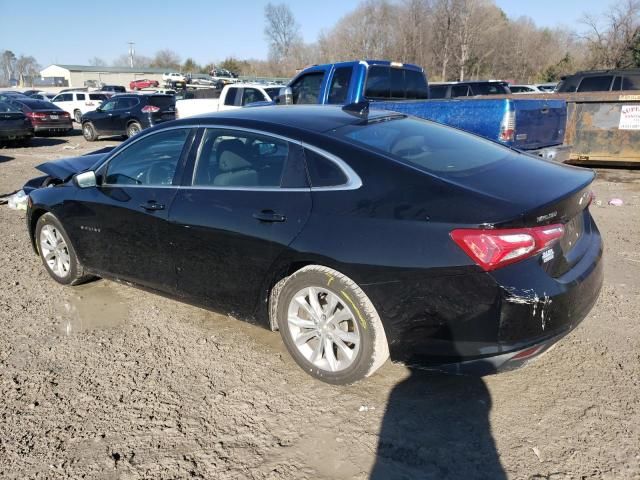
(572, 233)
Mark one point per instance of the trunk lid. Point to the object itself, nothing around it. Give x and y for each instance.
(11, 120)
(538, 123)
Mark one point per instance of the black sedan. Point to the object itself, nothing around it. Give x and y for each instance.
(45, 117)
(14, 125)
(358, 235)
(128, 115)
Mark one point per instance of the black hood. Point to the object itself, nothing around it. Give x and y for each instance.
(65, 168)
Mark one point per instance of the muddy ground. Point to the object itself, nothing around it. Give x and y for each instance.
(105, 381)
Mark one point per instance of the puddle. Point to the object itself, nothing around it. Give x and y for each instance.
(92, 306)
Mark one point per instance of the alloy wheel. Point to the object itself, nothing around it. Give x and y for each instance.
(323, 329)
(55, 251)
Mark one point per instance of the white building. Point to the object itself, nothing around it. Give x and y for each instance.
(77, 75)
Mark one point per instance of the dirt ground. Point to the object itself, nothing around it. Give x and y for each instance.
(105, 381)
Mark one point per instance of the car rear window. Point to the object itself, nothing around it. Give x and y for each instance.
(162, 102)
(98, 96)
(39, 104)
(425, 145)
(389, 82)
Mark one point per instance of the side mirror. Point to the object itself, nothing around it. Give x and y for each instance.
(86, 179)
(285, 97)
(99, 109)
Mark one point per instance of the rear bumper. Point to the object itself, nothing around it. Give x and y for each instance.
(477, 322)
(557, 153)
(52, 127)
(12, 134)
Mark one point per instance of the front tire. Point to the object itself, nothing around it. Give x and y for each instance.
(89, 132)
(57, 253)
(329, 326)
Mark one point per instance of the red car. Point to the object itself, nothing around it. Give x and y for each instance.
(143, 83)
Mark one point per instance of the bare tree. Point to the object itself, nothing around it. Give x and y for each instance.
(97, 62)
(612, 42)
(139, 61)
(26, 68)
(166, 59)
(281, 30)
(8, 60)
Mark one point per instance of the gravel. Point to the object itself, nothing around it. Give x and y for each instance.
(106, 381)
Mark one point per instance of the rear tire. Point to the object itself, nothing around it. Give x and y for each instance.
(77, 116)
(329, 325)
(89, 132)
(133, 129)
(57, 253)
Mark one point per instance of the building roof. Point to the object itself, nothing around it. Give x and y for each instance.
(91, 68)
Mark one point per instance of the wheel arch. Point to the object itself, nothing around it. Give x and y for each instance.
(33, 221)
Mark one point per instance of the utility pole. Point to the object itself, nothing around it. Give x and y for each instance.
(132, 52)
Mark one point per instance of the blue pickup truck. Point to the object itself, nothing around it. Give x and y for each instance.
(535, 126)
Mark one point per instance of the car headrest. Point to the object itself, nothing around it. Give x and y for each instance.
(230, 161)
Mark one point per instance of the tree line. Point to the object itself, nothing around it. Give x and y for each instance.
(451, 39)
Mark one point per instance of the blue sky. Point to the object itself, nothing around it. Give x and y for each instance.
(74, 31)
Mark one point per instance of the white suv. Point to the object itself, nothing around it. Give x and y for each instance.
(79, 103)
(173, 77)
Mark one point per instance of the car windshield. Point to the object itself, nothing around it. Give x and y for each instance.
(6, 108)
(38, 104)
(426, 145)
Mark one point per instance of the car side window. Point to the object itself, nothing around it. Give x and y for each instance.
(438, 91)
(306, 89)
(600, 83)
(631, 82)
(80, 96)
(108, 106)
(339, 85)
(459, 91)
(230, 158)
(124, 103)
(322, 171)
(230, 99)
(151, 161)
(251, 95)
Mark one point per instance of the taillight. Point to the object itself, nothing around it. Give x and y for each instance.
(65, 114)
(150, 109)
(492, 249)
(36, 115)
(508, 126)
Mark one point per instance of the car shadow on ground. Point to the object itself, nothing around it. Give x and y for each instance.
(5, 158)
(437, 427)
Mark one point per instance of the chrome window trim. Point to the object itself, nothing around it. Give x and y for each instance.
(353, 179)
(136, 140)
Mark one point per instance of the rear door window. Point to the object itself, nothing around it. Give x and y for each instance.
(230, 99)
(80, 97)
(631, 82)
(600, 83)
(339, 85)
(306, 89)
(322, 171)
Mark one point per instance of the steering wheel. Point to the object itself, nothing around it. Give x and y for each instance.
(160, 174)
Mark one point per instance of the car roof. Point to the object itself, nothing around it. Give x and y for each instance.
(315, 118)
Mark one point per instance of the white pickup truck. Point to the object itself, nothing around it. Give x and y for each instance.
(232, 96)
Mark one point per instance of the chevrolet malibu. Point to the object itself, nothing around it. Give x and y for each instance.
(359, 235)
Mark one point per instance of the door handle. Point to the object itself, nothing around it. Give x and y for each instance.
(269, 216)
(152, 206)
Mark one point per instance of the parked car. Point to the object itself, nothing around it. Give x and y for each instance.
(524, 89)
(128, 115)
(200, 79)
(113, 89)
(173, 77)
(28, 93)
(547, 87)
(143, 83)
(468, 89)
(45, 117)
(358, 235)
(15, 126)
(601, 81)
(232, 96)
(77, 103)
(47, 97)
(8, 94)
(534, 125)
